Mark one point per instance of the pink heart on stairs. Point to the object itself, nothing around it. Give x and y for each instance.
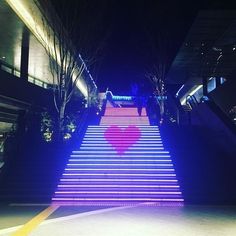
(122, 139)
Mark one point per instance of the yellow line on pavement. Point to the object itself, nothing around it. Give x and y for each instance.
(33, 223)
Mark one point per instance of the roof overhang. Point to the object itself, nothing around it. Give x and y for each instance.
(31, 15)
(209, 49)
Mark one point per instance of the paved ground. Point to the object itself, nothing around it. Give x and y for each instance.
(122, 221)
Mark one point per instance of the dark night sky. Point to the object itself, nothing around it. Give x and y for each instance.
(128, 52)
(128, 29)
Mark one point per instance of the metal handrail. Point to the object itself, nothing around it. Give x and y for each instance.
(191, 101)
(14, 71)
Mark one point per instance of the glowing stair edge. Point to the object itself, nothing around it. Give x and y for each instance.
(120, 162)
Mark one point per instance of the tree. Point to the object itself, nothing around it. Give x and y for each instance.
(159, 86)
(157, 71)
(64, 39)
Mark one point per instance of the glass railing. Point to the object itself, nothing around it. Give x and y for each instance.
(12, 70)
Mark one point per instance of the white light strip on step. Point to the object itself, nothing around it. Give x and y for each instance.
(107, 131)
(128, 136)
(123, 126)
(116, 199)
(114, 152)
(119, 174)
(114, 186)
(120, 133)
(119, 160)
(117, 164)
(142, 127)
(143, 143)
(121, 180)
(118, 156)
(117, 147)
(117, 192)
(120, 139)
(108, 169)
(110, 121)
(121, 145)
(144, 131)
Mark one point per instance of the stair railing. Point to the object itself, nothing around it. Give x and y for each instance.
(191, 101)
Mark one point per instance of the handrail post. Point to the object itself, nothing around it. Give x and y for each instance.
(204, 83)
(177, 115)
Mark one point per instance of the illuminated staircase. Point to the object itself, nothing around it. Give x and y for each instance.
(122, 161)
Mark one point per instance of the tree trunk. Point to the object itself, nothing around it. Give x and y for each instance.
(162, 108)
(61, 119)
